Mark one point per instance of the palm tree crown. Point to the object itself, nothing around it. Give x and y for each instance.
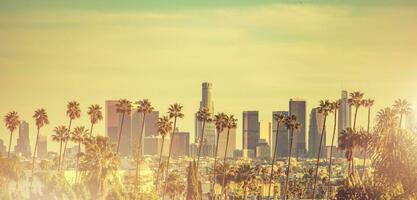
(144, 106)
(292, 124)
(94, 111)
(124, 106)
(41, 117)
(60, 132)
(386, 118)
(174, 111)
(73, 110)
(325, 107)
(79, 134)
(231, 122)
(402, 107)
(356, 99)
(12, 121)
(204, 115)
(219, 121)
(164, 126)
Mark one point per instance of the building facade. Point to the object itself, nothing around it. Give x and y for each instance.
(314, 134)
(283, 136)
(113, 125)
(250, 130)
(297, 107)
(209, 128)
(23, 143)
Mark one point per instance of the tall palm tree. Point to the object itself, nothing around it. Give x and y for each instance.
(347, 143)
(403, 108)
(204, 116)
(291, 124)
(60, 136)
(325, 108)
(144, 107)
(280, 119)
(123, 107)
(231, 123)
(246, 174)
(73, 112)
(355, 100)
(386, 119)
(41, 119)
(174, 112)
(220, 123)
(335, 107)
(164, 128)
(365, 139)
(94, 111)
(79, 135)
(98, 164)
(11, 121)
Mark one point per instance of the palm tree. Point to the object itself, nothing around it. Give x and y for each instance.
(41, 119)
(403, 108)
(355, 100)
(11, 121)
(73, 112)
(144, 107)
(203, 115)
(365, 139)
(325, 108)
(164, 128)
(60, 136)
(231, 123)
(174, 112)
(94, 111)
(335, 107)
(347, 143)
(98, 164)
(79, 135)
(386, 119)
(293, 125)
(123, 107)
(220, 123)
(246, 175)
(176, 186)
(280, 119)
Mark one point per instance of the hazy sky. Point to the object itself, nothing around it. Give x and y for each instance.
(257, 55)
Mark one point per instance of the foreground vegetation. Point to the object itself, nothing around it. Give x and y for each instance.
(389, 147)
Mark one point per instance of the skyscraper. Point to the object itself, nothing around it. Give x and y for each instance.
(150, 128)
(314, 134)
(298, 108)
(42, 147)
(222, 143)
(209, 128)
(113, 122)
(250, 130)
(344, 115)
(181, 144)
(283, 139)
(23, 143)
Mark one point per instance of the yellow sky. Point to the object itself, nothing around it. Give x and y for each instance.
(257, 57)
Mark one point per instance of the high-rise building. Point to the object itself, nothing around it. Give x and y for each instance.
(250, 130)
(298, 108)
(209, 128)
(344, 115)
(265, 131)
(113, 123)
(181, 144)
(314, 134)
(23, 143)
(283, 137)
(42, 147)
(231, 144)
(153, 145)
(150, 128)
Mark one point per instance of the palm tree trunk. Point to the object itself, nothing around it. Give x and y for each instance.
(318, 157)
(366, 143)
(60, 153)
(289, 164)
(215, 165)
(140, 153)
(273, 162)
(353, 161)
(401, 120)
(201, 143)
(245, 193)
(33, 158)
(66, 142)
(354, 120)
(91, 130)
(120, 133)
(224, 163)
(331, 155)
(10, 143)
(169, 156)
(159, 165)
(76, 167)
